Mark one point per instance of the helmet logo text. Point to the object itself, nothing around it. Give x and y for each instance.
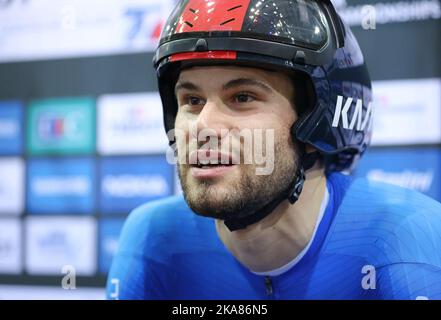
(357, 121)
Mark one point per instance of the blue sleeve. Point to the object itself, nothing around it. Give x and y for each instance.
(409, 281)
(138, 271)
(414, 249)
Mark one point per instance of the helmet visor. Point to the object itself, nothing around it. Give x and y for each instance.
(297, 22)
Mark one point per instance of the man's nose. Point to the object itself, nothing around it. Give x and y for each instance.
(211, 120)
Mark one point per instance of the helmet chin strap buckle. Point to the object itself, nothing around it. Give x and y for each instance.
(294, 195)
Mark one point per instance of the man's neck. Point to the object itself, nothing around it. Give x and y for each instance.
(277, 239)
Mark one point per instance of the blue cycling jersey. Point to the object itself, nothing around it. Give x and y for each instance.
(375, 241)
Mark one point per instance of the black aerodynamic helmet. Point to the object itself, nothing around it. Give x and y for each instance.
(306, 37)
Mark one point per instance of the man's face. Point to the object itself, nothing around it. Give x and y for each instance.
(227, 101)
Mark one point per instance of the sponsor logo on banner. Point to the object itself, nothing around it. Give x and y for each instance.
(47, 29)
(131, 124)
(61, 126)
(417, 180)
(386, 12)
(416, 169)
(110, 230)
(11, 115)
(11, 186)
(407, 112)
(129, 182)
(53, 127)
(10, 246)
(53, 243)
(61, 186)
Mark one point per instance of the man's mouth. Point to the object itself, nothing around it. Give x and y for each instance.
(210, 164)
(210, 158)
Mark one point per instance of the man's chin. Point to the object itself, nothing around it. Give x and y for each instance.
(222, 198)
(207, 198)
(209, 191)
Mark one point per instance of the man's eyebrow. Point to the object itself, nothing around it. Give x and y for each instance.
(186, 86)
(246, 82)
(231, 84)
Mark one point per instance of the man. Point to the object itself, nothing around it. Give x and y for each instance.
(292, 226)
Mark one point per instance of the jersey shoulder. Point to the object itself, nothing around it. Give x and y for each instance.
(387, 224)
(163, 228)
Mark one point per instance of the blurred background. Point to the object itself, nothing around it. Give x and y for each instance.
(82, 140)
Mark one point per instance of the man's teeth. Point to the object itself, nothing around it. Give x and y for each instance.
(210, 165)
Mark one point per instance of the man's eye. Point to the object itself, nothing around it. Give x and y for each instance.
(194, 101)
(244, 98)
